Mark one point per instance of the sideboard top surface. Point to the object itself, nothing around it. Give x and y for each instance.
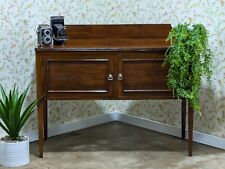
(135, 37)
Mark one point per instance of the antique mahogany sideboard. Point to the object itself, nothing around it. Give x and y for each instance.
(105, 62)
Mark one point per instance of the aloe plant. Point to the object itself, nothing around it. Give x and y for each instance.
(11, 114)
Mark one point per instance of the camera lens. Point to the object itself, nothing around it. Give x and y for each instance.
(47, 40)
(61, 32)
(46, 32)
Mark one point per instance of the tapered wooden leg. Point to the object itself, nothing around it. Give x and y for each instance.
(183, 118)
(190, 130)
(45, 119)
(41, 108)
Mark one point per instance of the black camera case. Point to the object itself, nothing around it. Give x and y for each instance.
(58, 30)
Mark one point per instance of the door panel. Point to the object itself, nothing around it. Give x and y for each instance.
(80, 76)
(142, 76)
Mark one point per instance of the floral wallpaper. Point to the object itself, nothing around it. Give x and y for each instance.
(18, 22)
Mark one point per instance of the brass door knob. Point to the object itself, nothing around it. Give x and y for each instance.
(110, 77)
(120, 76)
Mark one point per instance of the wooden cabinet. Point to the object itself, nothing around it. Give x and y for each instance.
(104, 62)
(98, 75)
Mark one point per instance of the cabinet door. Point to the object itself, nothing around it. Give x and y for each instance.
(79, 75)
(142, 76)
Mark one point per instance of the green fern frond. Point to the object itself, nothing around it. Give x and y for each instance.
(189, 59)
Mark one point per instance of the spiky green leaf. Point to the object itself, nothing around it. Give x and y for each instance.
(10, 111)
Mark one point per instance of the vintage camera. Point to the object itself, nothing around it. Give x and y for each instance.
(58, 30)
(44, 33)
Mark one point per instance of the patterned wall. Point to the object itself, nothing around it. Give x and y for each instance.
(19, 19)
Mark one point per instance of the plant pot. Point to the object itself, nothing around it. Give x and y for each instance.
(14, 154)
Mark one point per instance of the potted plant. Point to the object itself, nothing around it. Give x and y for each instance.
(188, 58)
(14, 148)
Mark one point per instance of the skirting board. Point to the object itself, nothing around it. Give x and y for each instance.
(72, 126)
(172, 130)
(132, 120)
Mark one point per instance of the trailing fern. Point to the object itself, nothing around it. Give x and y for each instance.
(188, 58)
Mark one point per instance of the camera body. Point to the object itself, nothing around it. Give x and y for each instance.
(44, 33)
(58, 30)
